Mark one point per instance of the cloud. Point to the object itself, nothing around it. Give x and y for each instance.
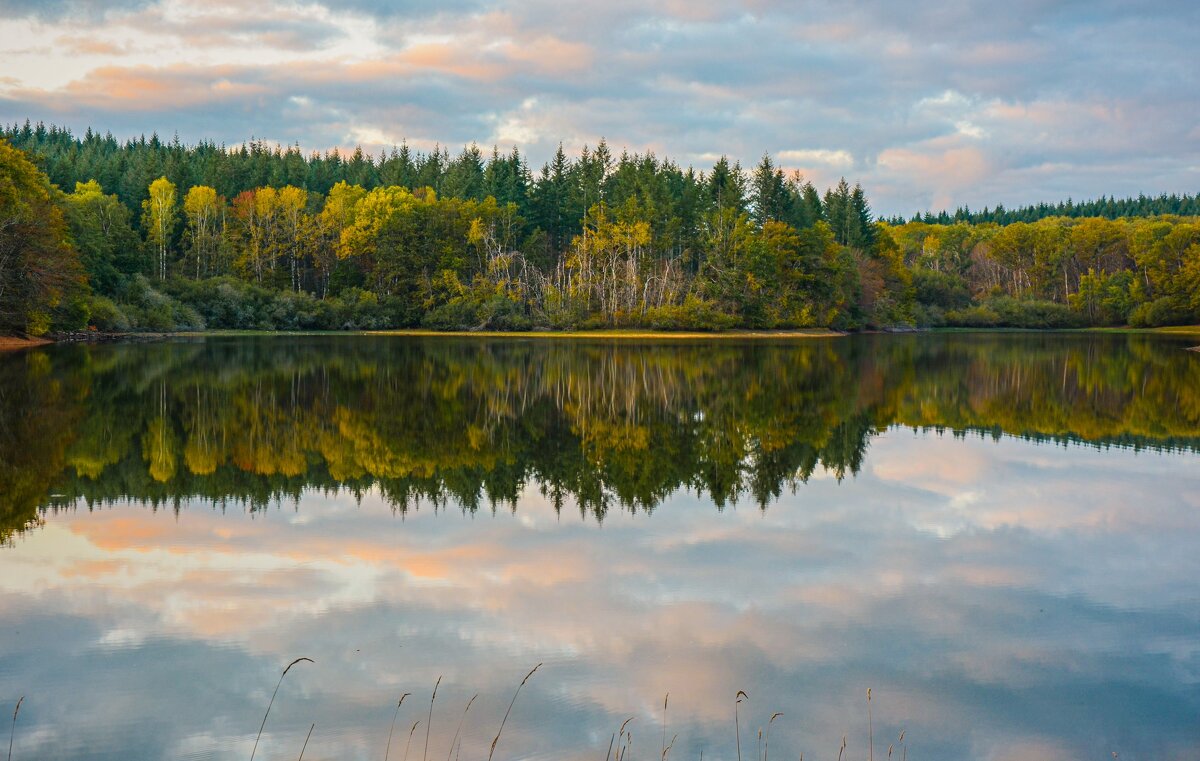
(1044, 101)
(817, 156)
(49, 10)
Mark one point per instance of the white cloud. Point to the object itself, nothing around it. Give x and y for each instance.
(818, 156)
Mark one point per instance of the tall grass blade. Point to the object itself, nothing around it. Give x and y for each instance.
(870, 729)
(13, 733)
(504, 721)
(306, 739)
(622, 746)
(429, 721)
(767, 739)
(737, 724)
(664, 734)
(460, 724)
(669, 746)
(399, 703)
(410, 734)
(273, 694)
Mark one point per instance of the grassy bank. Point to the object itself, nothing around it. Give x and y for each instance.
(628, 334)
(1173, 330)
(617, 334)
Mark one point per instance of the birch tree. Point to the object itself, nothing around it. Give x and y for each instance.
(159, 215)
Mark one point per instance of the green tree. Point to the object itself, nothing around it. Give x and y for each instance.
(103, 234)
(40, 272)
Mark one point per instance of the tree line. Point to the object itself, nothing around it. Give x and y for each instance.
(153, 235)
(1110, 208)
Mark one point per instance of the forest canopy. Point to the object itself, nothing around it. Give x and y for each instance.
(154, 235)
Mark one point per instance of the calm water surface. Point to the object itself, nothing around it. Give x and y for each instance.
(998, 534)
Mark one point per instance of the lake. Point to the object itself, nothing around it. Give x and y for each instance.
(997, 534)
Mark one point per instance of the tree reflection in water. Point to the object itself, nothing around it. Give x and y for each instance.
(593, 424)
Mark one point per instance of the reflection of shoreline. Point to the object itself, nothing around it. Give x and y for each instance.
(471, 422)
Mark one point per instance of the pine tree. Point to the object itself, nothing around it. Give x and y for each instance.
(769, 200)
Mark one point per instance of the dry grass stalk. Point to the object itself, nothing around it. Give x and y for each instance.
(504, 721)
(767, 738)
(870, 729)
(737, 724)
(399, 703)
(13, 732)
(460, 725)
(622, 743)
(669, 746)
(429, 721)
(306, 739)
(273, 694)
(410, 734)
(664, 727)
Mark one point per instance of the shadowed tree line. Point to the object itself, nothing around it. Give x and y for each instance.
(592, 425)
(1105, 206)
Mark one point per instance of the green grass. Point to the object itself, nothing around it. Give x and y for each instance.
(1173, 330)
(632, 333)
(626, 334)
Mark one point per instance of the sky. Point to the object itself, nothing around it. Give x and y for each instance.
(929, 105)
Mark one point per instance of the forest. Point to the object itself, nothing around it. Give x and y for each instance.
(147, 235)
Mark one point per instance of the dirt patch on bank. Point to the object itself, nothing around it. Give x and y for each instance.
(10, 343)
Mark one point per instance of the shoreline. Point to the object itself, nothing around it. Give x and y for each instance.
(632, 333)
(15, 343)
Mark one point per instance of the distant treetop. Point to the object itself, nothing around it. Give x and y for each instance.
(1110, 208)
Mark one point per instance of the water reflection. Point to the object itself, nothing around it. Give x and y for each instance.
(1004, 598)
(475, 422)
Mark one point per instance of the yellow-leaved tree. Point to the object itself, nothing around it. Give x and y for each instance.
(203, 208)
(158, 219)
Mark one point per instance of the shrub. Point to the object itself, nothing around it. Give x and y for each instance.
(693, 314)
(940, 289)
(1004, 311)
(150, 309)
(107, 316)
(496, 312)
(1166, 310)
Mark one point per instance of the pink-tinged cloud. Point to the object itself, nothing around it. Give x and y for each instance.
(944, 165)
(81, 45)
(147, 89)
